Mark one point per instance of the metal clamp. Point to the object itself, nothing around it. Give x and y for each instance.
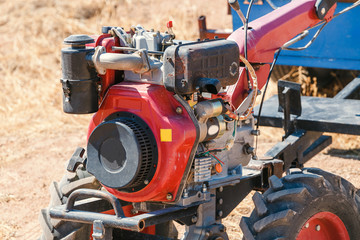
(96, 59)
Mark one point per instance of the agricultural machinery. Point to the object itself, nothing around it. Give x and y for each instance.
(173, 138)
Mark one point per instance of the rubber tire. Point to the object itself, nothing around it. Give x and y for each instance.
(290, 201)
(59, 192)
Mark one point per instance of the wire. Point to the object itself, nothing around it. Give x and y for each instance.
(322, 24)
(246, 27)
(252, 72)
(217, 159)
(263, 96)
(310, 42)
(271, 4)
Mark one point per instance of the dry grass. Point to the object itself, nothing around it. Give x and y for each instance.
(32, 33)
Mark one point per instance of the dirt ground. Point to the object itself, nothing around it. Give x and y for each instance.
(37, 138)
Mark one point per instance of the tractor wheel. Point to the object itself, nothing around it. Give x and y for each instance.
(308, 204)
(59, 192)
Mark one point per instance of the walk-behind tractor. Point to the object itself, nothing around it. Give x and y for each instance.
(172, 140)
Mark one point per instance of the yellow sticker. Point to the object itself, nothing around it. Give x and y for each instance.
(166, 135)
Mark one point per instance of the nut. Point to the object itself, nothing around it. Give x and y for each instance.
(179, 110)
(169, 196)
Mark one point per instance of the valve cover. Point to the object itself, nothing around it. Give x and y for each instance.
(122, 153)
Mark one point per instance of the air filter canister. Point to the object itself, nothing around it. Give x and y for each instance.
(122, 153)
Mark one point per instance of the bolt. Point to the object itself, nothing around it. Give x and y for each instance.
(204, 188)
(133, 211)
(207, 233)
(220, 213)
(307, 225)
(186, 193)
(323, 10)
(194, 219)
(179, 110)
(146, 182)
(255, 132)
(317, 228)
(221, 189)
(169, 196)
(183, 82)
(220, 201)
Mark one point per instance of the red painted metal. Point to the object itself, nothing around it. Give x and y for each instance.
(210, 33)
(107, 80)
(323, 226)
(267, 34)
(157, 107)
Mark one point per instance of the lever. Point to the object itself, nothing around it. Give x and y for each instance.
(236, 6)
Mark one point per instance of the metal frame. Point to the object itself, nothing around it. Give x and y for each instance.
(304, 133)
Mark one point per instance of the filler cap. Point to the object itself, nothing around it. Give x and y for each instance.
(78, 41)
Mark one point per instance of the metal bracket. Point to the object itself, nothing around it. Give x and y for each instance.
(299, 147)
(322, 7)
(100, 232)
(135, 223)
(289, 103)
(268, 168)
(76, 160)
(96, 59)
(145, 58)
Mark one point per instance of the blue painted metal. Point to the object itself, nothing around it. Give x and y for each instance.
(337, 47)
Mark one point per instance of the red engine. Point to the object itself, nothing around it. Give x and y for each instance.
(168, 111)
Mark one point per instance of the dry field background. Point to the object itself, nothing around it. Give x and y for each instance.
(37, 138)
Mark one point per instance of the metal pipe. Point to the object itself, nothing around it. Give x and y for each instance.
(127, 223)
(98, 194)
(134, 50)
(118, 61)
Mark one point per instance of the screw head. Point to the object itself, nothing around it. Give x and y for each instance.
(169, 196)
(194, 219)
(323, 10)
(179, 110)
(186, 193)
(317, 228)
(307, 225)
(220, 213)
(221, 201)
(221, 189)
(146, 182)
